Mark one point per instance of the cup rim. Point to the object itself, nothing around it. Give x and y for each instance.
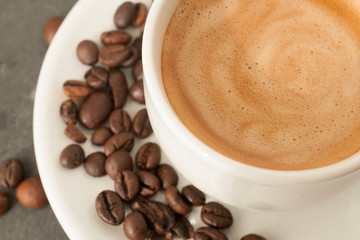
(153, 83)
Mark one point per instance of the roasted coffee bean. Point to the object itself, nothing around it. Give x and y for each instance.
(207, 233)
(74, 133)
(87, 52)
(97, 77)
(132, 58)
(127, 185)
(167, 175)
(119, 121)
(119, 141)
(216, 215)
(141, 124)
(117, 162)
(148, 156)
(137, 71)
(4, 203)
(193, 195)
(124, 15)
(175, 201)
(114, 55)
(142, 27)
(51, 28)
(109, 207)
(183, 228)
(135, 226)
(252, 236)
(118, 87)
(160, 216)
(158, 236)
(136, 92)
(68, 112)
(138, 44)
(30, 193)
(72, 156)
(115, 37)
(149, 183)
(100, 136)
(95, 164)
(140, 15)
(95, 109)
(76, 90)
(11, 173)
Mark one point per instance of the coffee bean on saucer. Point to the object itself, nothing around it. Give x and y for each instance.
(118, 85)
(76, 90)
(74, 133)
(11, 173)
(114, 55)
(4, 203)
(119, 121)
(124, 15)
(140, 15)
(136, 92)
(207, 233)
(167, 175)
(95, 164)
(120, 141)
(115, 37)
(132, 58)
(149, 183)
(97, 77)
(193, 195)
(252, 236)
(135, 226)
(183, 228)
(117, 162)
(159, 236)
(175, 201)
(87, 52)
(51, 28)
(100, 136)
(148, 156)
(110, 207)
(141, 124)
(72, 156)
(68, 112)
(216, 215)
(127, 185)
(137, 71)
(30, 193)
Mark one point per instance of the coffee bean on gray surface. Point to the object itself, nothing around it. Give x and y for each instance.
(140, 15)
(114, 55)
(75, 89)
(120, 141)
(175, 201)
(159, 236)
(183, 228)
(149, 183)
(124, 15)
(4, 203)
(141, 124)
(207, 233)
(136, 92)
(160, 216)
(110, 207)
(115, 37)
(95, 164)
(135, 226)
(138, 44)
(148, 156)
(74, 133)
(193, 195)
(119, 121)
(132, 58)
(51, 28)
(11, 173)
(167, 175)
(216, 215)
(252, 236)
(137, 71)
(68, 111)
(100, 136)
(30, 193)
(72, 156)
(87, 52)
(127, 185)
(117, 162)
(118, 87)
(97, 77)
(95, 109)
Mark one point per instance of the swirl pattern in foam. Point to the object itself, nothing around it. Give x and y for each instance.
(271, 83)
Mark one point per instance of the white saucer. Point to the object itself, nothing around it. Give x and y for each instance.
(72, 193)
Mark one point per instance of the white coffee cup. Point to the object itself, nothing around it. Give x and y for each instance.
(227, 180)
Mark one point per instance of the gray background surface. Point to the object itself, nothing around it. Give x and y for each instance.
(22, 50)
